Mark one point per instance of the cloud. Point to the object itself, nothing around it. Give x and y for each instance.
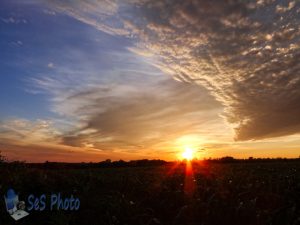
(121, 102)
(94, 13)
(136, 112)
(14, 20)
(49, 12)
(50, 65)
(17, 43)
(40, 152)
(39, 140)
(162, 112)
(26, 131)
(244, 52)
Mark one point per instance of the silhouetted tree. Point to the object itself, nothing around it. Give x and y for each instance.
(2, 158)
(227, 159)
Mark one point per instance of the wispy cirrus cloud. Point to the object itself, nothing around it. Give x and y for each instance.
(27, 131)
(130, 110)
(141, 112)
(244, 53)
(94, 13)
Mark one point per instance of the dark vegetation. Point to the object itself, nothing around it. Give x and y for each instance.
(227, 191)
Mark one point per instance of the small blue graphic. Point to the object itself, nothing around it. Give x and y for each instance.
(13, 206)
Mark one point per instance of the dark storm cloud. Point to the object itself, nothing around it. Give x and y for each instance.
(245, 52)
(158, 111)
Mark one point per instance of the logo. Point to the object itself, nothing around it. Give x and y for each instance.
(14, 207)
(56, 203)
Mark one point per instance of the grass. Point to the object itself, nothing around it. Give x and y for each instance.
(224, 193)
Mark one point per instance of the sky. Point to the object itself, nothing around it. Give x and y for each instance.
(91, 80)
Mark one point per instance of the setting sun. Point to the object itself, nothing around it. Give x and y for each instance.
(188, 153)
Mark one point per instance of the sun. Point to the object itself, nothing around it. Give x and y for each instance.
(188, 154)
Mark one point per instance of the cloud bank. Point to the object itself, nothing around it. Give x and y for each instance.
(131, 112)
(147, 113)
(244, 52)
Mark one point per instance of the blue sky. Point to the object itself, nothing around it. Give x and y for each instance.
(34, 41)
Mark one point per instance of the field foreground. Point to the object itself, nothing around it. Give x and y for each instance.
(204, 194)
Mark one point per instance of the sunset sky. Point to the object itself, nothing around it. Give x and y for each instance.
(130, 79)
